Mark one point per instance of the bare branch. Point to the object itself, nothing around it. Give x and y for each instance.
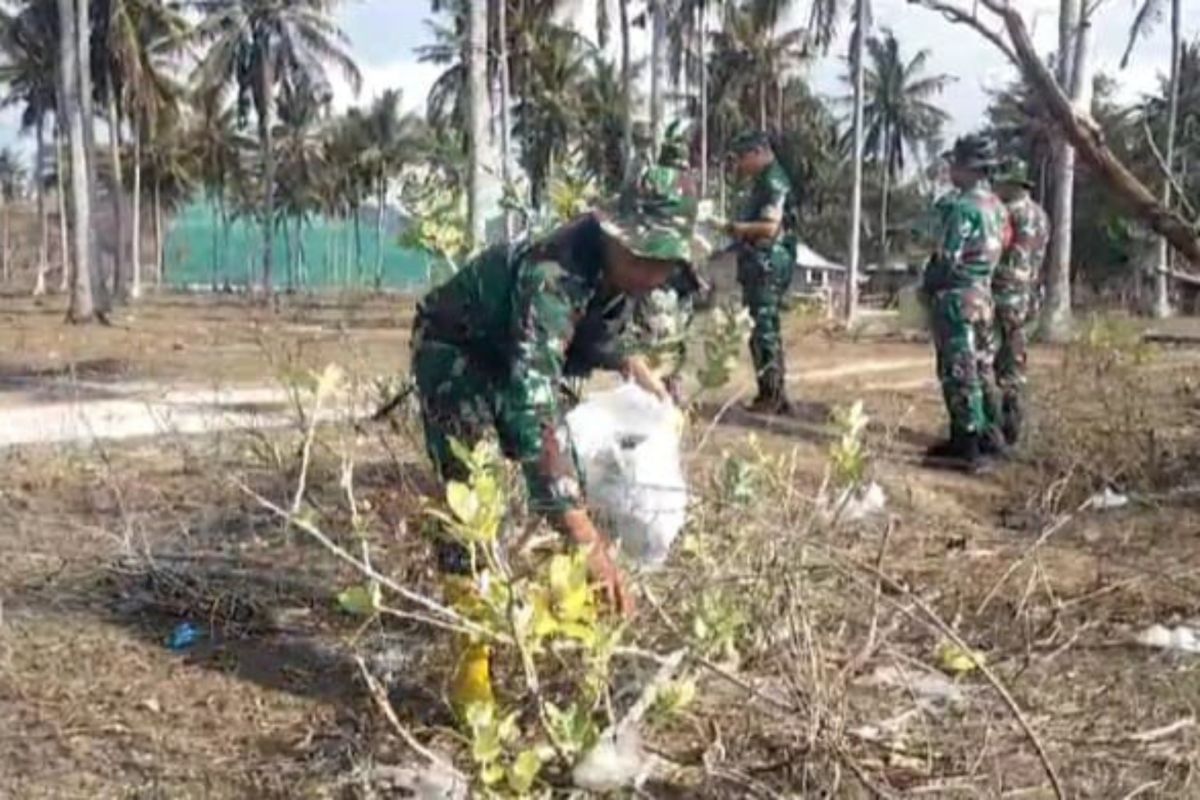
(1165, 168)
(959, 16)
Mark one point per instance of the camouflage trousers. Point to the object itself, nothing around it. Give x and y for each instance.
(1012, 314)
(963, 335)
(763, 288)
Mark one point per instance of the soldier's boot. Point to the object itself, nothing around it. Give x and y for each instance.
(1012, 418)
(962, 452)
(772, 398)
(994, 443)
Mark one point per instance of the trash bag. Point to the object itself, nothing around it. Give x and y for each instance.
(628, 446)
(914, 310)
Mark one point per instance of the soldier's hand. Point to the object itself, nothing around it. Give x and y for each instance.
(600, 564)
(638, 370)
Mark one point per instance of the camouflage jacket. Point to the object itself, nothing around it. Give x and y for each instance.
(527, 317)
(973, 231)
(1022, 259)
(667, 190)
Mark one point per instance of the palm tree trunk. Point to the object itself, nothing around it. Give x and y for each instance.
(135, 238)
(118, 200)
(626, 97)
(855, 247)
(382, 198)
(82, 306)
(358, 259)
(885, 183)
(43, 257)
(216, 241)
(1162, 294)
(1055, 323)
(505, 108)
(478, 119)
(266, 141)
(83, 27)
(64, 229)
(223, 213)
(4, 262)
(762, 107)
(159, 250)
(703, 11)
(288, 253)
(658, 51)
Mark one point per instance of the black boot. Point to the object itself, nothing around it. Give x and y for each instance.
(1012, 418)
(994, 444)
(961, 452)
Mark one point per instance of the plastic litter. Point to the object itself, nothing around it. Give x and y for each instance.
(1108, 500)
(618, 761)
(930, 688)
(184, 635)
(861, 503)
(1181, 638)
(628, 445)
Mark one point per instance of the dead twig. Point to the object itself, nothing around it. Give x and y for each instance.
(1165, 168)
(935, 620)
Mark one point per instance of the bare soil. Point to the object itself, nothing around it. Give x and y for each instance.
(108, 546)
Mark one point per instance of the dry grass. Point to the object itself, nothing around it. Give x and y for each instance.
(108, 549)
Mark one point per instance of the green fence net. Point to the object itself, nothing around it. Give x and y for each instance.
(201, 253)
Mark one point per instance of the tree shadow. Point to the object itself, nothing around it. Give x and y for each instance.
(808, 421)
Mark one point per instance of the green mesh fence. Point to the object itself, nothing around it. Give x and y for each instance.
(201, 253)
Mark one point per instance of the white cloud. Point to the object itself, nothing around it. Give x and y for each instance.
(413, 78)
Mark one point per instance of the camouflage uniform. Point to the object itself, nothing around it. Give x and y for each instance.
(973, 232)
(662, 317)
(764, 271)
(1013, 287)
(493, 345)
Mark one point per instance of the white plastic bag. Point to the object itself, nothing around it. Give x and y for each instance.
(627, 442)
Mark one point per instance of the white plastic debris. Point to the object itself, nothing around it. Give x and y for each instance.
(628, 444)
(618, 761)
(863, 503)
(1181, 638)
(1108, 500)
(931, 688)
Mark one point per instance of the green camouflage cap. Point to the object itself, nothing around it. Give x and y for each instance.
(749, 140)
(1014, 171)
(651, 236)
(973, 152)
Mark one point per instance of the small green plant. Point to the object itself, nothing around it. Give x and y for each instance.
(546, 619)
(724, 339)
(848, 459)
(439, 227)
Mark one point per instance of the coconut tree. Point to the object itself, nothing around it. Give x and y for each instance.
(12, 181)
(898, 114)
(258, 46)
(753, 57)
(217, 149)
(28, 42)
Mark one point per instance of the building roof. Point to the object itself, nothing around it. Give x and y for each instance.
(810, 259)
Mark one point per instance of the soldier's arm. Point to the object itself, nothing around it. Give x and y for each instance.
(770, 217)
(542, 326)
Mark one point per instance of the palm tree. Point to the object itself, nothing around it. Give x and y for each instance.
(217, 149)
(392, 140)
(898, 115)
(1148, 13)
(27, 49)
(136, 40)
(753, 57)
(259, 46)
(12, 179)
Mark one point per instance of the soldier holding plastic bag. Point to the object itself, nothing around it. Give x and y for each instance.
(492, 345)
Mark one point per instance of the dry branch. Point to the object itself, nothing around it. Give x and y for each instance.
(1080, 130)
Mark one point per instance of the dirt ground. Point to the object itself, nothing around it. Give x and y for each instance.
(109, 546)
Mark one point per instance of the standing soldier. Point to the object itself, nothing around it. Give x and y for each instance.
(492, 345)
(972, 235)
(1013, 288)
(765, 263)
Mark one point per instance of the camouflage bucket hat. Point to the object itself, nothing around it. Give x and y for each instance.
(749, 140)
(1014, 171)
(973, 152)
(660, 239)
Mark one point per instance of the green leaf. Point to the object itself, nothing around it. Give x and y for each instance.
(524, 771)
(362, 601)
(462, 501)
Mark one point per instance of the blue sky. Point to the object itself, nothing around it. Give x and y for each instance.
(384, 34)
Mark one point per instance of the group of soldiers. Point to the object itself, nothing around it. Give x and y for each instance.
(980, 287)
(494, 346)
